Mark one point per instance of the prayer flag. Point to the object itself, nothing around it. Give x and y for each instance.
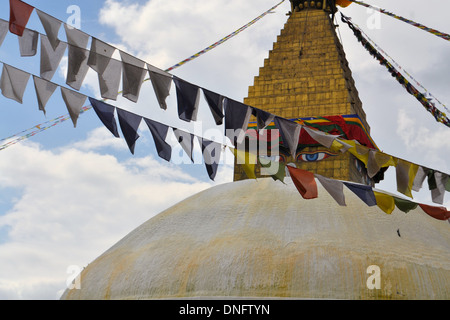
(405, 173)
(334, 187)
(105, 113)
(215, 103)
(50, 58)
(211, 154)
(129, 124)
(28, 43)
(439, 213)
(237, 117)
(44, 90)
(4, 25)
(385, 202)
(161, 82)
(19, 14)
(188, 99)
(404, 204)
(276, 169)
(132, 76)
(13, 82)
(77, 57)
(290, 133)
(100, 55)
(51, 26)
(263, 118)
(74, 102)
(304, 182)
(186, 140)
(365, 193)
(159, 132)
(247, 160)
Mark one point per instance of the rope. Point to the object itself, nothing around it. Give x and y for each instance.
(442, 35)
(399, 66)
(25, 134)
(430, 107)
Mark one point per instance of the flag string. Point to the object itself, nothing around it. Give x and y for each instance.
(442, 35)
(30, 132)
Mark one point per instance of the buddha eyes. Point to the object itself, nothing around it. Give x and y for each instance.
(313, 156)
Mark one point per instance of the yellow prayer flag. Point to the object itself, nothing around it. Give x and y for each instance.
(385, 202)
(247, 160)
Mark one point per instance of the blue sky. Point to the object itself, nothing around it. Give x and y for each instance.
(68, 194)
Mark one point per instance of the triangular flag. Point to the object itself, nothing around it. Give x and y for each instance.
(385, 202)
(439, 213)
(132, 77)
(304, 182)
(77, 57)
(290, 133)
(129, 124)
(74, 102)
(365, 193)
(211, 155)
(405, 173)
(4, 25)
(28, 43)
(237, 117)
(159, 132)
(105, 112)
(51, 26)
(334, 187)
(215, 103)
(50, 58)
(19, 15)
(13, 83)
(404, 204)
(247, 160)
(186, 140)
(263, 118)
(109, 80)
(100, 55)
(188, 99)
(276, 169)
(321, 137)
(44, 90)
(161, 82)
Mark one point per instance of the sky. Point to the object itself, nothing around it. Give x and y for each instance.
(68, 194)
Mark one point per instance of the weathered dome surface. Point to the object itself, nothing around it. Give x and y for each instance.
(262, 239)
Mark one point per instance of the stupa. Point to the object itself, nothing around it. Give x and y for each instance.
(259, 238)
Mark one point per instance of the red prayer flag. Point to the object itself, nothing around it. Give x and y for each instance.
(439, 213)
(19, 15)
(304, 181)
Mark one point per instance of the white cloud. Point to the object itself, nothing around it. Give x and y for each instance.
(75, 204)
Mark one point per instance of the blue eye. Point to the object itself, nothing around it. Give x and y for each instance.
(314, 156)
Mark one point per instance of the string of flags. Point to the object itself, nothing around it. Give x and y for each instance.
(429, 106)
(401, 68)
(233, 115)
(442, 35)
(99, 47)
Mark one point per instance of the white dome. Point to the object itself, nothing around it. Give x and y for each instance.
(262, 239)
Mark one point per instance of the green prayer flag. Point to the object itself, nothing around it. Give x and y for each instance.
(280, 174)
(404, 204)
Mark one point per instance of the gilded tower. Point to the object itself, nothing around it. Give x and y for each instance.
(306, 77)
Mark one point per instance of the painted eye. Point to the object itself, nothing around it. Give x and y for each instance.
(313, 156)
